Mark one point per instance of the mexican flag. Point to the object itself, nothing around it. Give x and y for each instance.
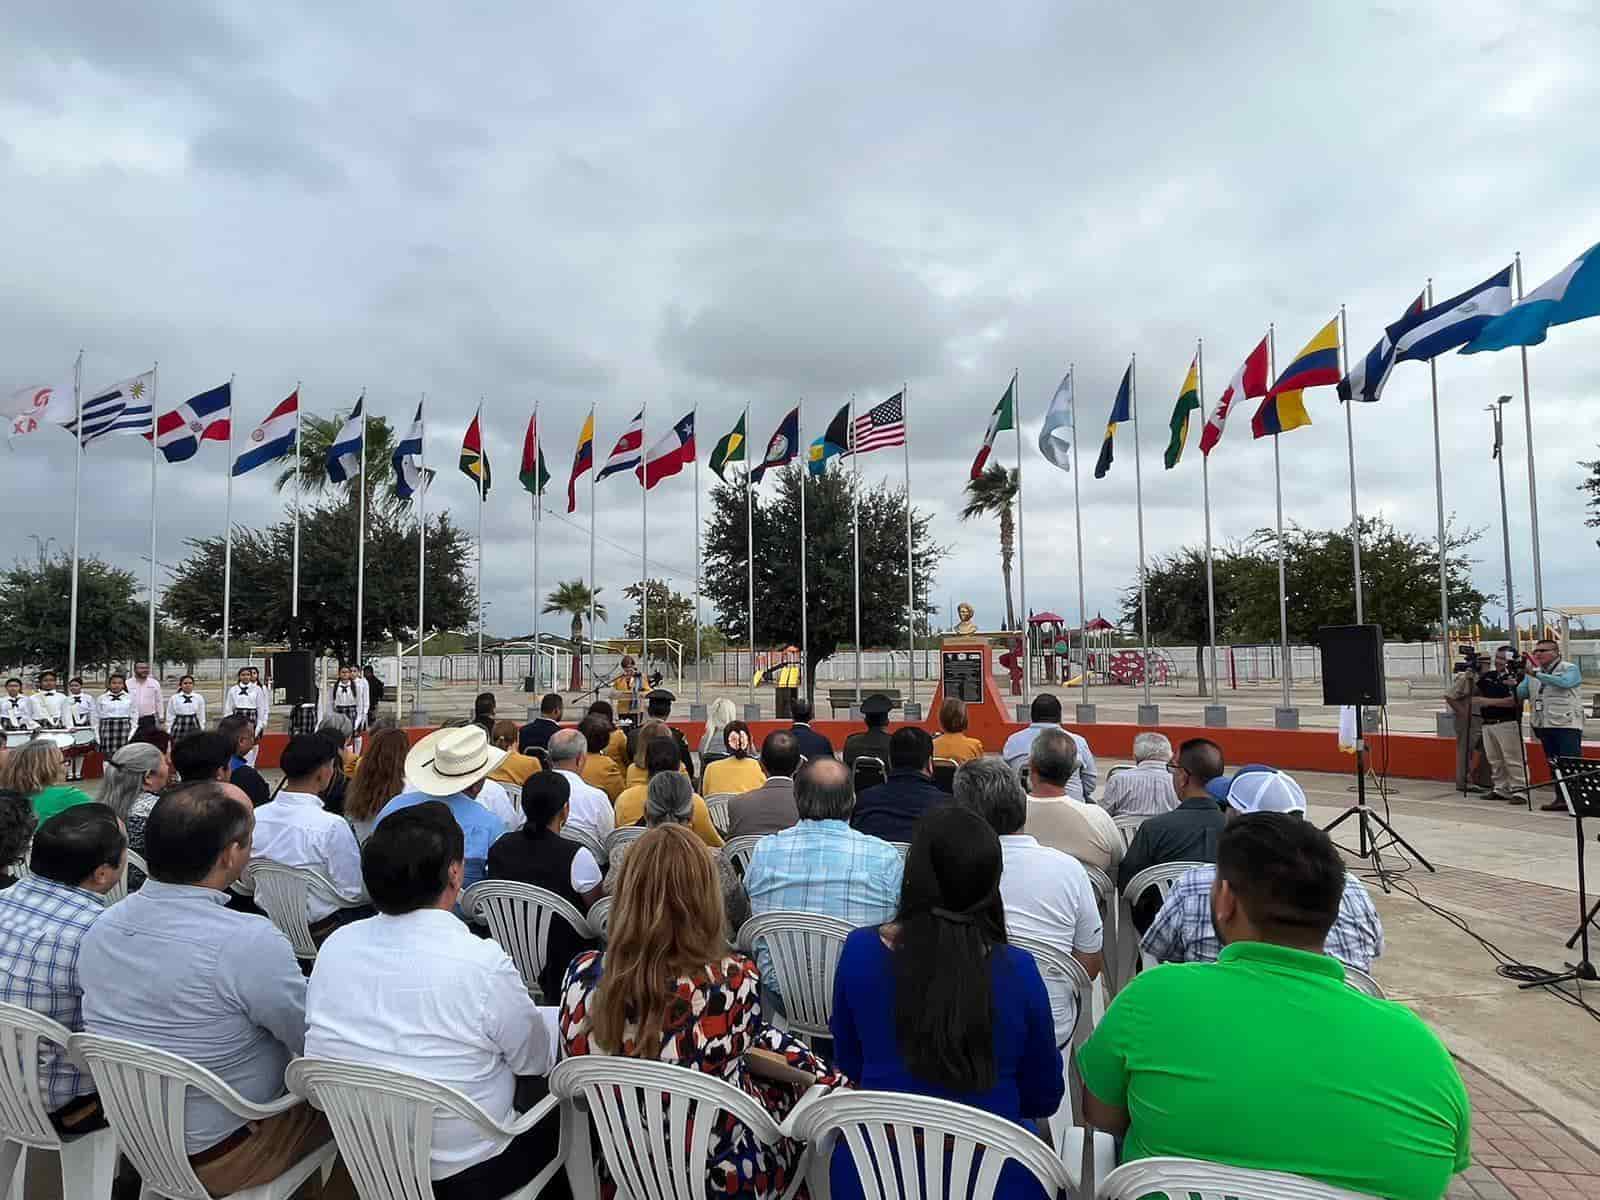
(1001, 419)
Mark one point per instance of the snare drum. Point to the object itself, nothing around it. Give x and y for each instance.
(83, 738)
(60, 737)
(18, 737)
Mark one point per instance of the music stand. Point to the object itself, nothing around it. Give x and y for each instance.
(1577, 781)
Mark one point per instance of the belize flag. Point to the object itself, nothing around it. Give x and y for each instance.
(344, 456)
(207, 416)
(274, 438)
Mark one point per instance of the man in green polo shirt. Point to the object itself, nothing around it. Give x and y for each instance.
(1265, 1059)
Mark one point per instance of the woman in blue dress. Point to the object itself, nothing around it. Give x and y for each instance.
(936, 1003)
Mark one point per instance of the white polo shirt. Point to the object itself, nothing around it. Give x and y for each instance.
(1047, 895)
(297, 831)
(589, 807)
(499, 801)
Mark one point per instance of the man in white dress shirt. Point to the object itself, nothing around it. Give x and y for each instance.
(591, 808)
(1045, 713)
(454, 1008)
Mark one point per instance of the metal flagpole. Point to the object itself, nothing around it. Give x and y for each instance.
(1077, 521)
(1205, 492)
(1533, 487)
(1438, 496)
(361, 531)
(1497, 410)
(1350, 447)
(77, 507)
(749, 559)
(805, 643)
(594, 433)
(227, 558)
(644, 554)
(155, 391)
(1138, 492)
(538, 517)
(1277, 491)
(911, 579)
(294, 570)
(477, 579)
(855, 540)
(1022, 547)
(422, 550)
(699, 661)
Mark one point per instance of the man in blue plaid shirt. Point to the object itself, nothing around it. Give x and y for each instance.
(78, 855)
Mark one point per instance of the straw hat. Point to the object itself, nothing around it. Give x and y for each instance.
(450, 760)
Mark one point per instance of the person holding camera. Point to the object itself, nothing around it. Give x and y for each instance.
(1552, 689)
(1471, 775)
(1497, 705)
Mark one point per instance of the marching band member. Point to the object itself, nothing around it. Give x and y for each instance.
(16, 713)
(186, 711)
(82, 718)
(49, 706)
(114, 715)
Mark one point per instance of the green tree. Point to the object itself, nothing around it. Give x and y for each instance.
(317, 434)
(1591, 486)
(571, 596)
(113, 622)
(671, 616)
(830, 591)
(995, 491)
(1176, 589)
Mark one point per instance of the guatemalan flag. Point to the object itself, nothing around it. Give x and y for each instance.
(207, 416)
(344, 456)
(408, 469)
(1453, 322)
(1571, 296)
(274, 438)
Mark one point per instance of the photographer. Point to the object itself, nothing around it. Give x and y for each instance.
(1552, 686)
(1495, 699)
(1471, 772)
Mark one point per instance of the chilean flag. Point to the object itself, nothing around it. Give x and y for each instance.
(273, 438)
(669, 455)
(1249, 381)
(200, 418)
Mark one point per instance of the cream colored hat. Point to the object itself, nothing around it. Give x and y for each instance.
(449, 760)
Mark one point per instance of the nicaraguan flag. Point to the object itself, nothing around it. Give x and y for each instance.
(408, 471)
(1453, 322)
(206, 416)
(1571, 296)
(344, 456)
(273, 438)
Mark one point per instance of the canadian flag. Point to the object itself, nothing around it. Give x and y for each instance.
(1249, 381)
(26, 409)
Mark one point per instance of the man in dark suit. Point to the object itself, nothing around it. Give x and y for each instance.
(874, 740)
(813, 745)
(770, 807)
(891, 809)
(537, 731)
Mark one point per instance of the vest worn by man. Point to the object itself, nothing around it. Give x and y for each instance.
(544, 859)
(1555, 707)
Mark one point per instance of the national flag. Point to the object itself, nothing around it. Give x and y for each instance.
(1570, 296)
(834, 440)
(410, 476)
(1367, 376)
(126, 407)
(26, 409)
(533, 474)
(1453, 322)
(273, 438)
(344, 456)
(1055, 436)
(1001, 419)
(208, 416)
(1317, 365)
(1248, 382)
(1121, 410)
(881, 427)
(1188, 401)
(729, 450)
(782, 446)
(670, 454)
(474, 458)
(582, 460)
(629, 450)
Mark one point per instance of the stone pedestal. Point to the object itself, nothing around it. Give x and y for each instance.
(1286, 718)
(1085, 714)
(1149, 714)
(1217, 716)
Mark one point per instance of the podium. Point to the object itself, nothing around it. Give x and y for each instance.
(966, 672)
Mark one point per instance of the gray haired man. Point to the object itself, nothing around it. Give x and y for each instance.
(1056, 817)
(1145, 790)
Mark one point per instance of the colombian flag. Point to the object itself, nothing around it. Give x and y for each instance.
(1316, 365)
(474, 462)
(582, 460)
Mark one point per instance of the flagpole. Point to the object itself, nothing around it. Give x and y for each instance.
(1533, 487)
(749, 559)
(1022, 546)
(538, 517)
(1077, 521)
(911, 579)
(294, 572)
(77, 508)
(1138, 491)
(644, 553)
(422, 549)
(855, 541)
(699, 661)
(805, 643)
(1277, 490)
(477, 579)
(594, 433)
(361, 529)
(1438, 496)
(227, 559)
(155, 391)
(1350, 448)
(1205, 492)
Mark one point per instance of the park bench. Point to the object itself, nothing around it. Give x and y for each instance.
(845, 698)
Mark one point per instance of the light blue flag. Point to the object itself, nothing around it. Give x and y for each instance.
(344, 456)
(1571, 296)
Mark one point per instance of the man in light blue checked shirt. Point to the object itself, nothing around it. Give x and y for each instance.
(78, 856)
(822, 865)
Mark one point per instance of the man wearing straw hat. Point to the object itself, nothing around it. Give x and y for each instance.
(450, 765)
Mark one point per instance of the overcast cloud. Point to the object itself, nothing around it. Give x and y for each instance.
(714, 204)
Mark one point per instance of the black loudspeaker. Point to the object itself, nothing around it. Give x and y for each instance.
(292, 678)
(1352, 664)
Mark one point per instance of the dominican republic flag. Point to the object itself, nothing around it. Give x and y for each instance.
(410, 476)
(782, 446)
(273, 438)
(669, 455)
(344, 456)
(1571, 296)
(1453, 322)
(1248, 382)
(206, 417)
(629, 450)
(126, 407)
(1002, 418)
(1366, 377)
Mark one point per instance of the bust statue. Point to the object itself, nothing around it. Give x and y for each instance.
(964, 613)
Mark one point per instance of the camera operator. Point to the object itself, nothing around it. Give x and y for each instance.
(1552, 686)
(1495, 698)
(1471, 775)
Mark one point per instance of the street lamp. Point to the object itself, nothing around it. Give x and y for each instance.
(1497, 410)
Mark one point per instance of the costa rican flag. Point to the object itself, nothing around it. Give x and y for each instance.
(274, 438)
(207, 416)
(629, 450)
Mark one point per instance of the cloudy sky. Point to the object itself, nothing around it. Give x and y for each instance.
(712, 204)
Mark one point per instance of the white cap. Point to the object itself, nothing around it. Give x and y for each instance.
(1266, 792)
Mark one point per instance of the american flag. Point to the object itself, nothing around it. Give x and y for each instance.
(884, 426)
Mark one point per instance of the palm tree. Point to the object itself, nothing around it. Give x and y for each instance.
(317, 434)
(572, 596)
(995, 491)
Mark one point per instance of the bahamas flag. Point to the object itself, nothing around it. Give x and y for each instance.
(1121, 410)
(834, 440)
(1316, 365)
(1188, 402)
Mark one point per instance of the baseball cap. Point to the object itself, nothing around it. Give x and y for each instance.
(1219, 786)
(1266, 792)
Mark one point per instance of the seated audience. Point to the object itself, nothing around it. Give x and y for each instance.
(297, 831)
(1292, 1070)
(671, 802)
(1046, 892)
(338, 729)
(1145, 789)
(133, 780)
(202, 755)
(658, 707)
(600, 769)
(769, 807)
(591, 807)
(873, 741)
(1186, 834)
(1085, 831)
(454, 1008)
(1183, 930)
(617, 739)
(451, 765)
(537, 854)
(812, 743)
(1045, 713)
(891, 809)
(516, 766)
(667, 989)
(638, 768)
(78, 856)
(953, 742)
(738, 772)
(241, 733)
(661, 757)
(380, 777)
(173, 967)
(719, 714)
(17, 823)
(37, 771)
(536, 733)
(935, 1003)
(154, 735)
(483, 711)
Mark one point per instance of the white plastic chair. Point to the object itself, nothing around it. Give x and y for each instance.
(903, 847)
(655, 1122)
(519, 916)
(717, 806)
(577, 833)
(599, 917)
(1056, 964)
(1107, 900)
(738, 852)
(1128, 825)
(89, 1162)
(804, 949)
(282, 891)
(383, 1124)
(1362, 982)
(1162, 876)
(1180, 1178)
(135, 860)
(143, 1089)
(620, 839)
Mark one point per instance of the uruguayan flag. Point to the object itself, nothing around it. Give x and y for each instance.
(1570, 296)
(344, 456)
(1453, 322)
(126, 407)
(408, 470)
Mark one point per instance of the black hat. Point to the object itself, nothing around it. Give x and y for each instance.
(876, 705)
(660, 696)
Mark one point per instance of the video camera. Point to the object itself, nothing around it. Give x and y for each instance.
(1471, 660)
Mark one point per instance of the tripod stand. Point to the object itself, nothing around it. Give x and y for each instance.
(1579, 785)
(1367, 838)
